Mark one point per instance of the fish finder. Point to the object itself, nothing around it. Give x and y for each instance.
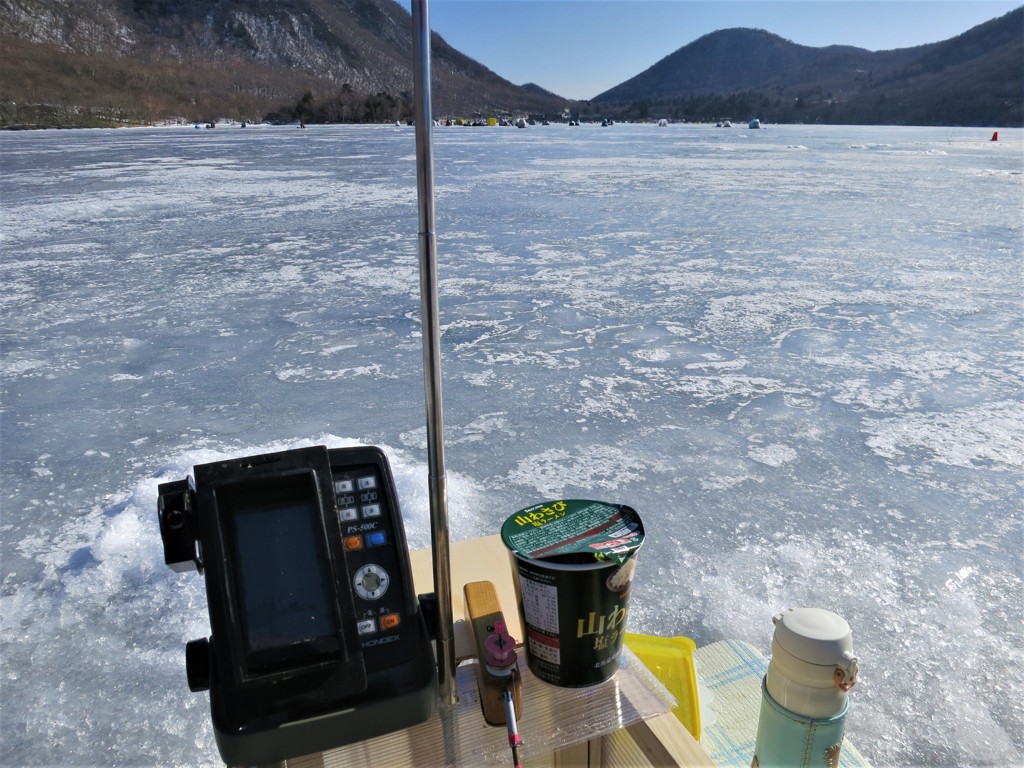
(317, 636)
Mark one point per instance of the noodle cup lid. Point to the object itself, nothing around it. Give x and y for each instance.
(574, 531)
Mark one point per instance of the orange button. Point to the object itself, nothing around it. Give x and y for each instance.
(390, 621)
(353, 542)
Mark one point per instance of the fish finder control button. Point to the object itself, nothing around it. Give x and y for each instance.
(371, 582)
(371, 510)
(366, 626)
(366, 483)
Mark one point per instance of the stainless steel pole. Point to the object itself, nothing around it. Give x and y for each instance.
(431, 328)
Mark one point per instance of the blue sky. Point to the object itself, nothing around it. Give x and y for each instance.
(580, 48)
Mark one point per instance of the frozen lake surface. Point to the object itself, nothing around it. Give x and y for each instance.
(796, 351)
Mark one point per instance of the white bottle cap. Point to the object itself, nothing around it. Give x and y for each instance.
(812, 665)
(815, 636)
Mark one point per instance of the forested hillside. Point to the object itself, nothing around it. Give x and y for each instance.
(103, 62)
(67, 62)
(976, 78)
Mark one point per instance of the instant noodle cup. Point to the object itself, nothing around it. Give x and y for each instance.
(573, 561)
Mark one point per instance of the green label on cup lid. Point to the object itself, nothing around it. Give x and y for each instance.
(574, 531)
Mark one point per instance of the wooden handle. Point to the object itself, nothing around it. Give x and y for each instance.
(483, 613)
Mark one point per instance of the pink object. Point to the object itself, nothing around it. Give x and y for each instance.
(500, 648)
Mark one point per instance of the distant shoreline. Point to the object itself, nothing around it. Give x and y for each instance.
(260, 125)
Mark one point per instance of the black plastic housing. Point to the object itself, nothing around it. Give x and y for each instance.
(317, 638)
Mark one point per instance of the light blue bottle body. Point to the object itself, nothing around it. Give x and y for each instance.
(786, 739)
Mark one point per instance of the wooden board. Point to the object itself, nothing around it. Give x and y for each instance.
(483, 559)
(659, 741)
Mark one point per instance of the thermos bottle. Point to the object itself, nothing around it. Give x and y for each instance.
(803, 696)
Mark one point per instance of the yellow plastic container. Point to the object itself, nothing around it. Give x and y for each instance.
(670, 659)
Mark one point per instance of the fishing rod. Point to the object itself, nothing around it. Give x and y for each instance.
(498, 678)
(501, 651)
(430, 319)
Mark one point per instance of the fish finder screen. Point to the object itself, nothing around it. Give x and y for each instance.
(283, 575)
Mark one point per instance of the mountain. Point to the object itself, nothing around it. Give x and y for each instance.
(96, 62)
(976, 78)
(75, 62)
